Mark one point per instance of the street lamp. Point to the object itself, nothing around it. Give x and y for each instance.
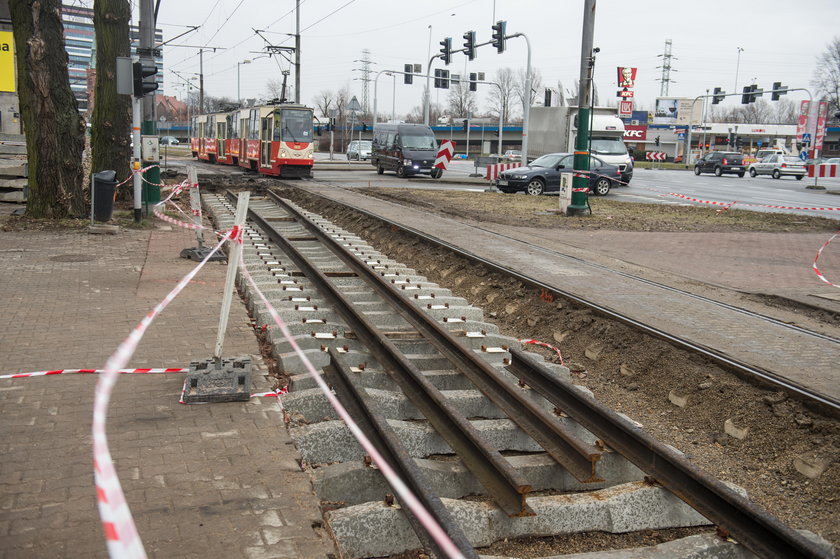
(737, 66)
(238, 64)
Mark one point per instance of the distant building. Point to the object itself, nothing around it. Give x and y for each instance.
(80, 43)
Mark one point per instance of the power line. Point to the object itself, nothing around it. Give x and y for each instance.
(666, 69)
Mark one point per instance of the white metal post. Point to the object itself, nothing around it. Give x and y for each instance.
(233, 262)
(136, 108)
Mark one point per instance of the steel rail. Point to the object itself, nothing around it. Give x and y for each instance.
(502, 482)
(749, 524)
(577, 456)
(376, 428)
(825, 403)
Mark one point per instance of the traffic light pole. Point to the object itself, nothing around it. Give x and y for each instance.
(151, 190)
(136, 110)
(720, 95)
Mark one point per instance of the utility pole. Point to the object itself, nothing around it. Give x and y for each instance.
(151, 192)
(297, 51)
(666, 69)
(580, 180)
(366, 71)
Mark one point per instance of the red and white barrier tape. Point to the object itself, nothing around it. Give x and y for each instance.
(819, 253)
(407, 498)
(93, 371)
(120, 532)
(545, 345)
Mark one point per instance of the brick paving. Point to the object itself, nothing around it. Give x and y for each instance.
(219, 480)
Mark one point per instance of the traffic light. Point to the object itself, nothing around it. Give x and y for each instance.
(746, 96)
(144, 77)
(408, 76)
(717, 96)
(446, 50)
(499, 36)
(755, 93)
(441, 78)
(738, 142)
(473, 85)
(469, 44)
(656, 141)
(778, 91)
(466, 124)
(547, 101)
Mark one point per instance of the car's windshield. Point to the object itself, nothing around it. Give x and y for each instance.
(549, 160)
(608, 146)
(419, 141)
(365, 144)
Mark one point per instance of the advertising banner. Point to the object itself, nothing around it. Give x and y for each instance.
(635, 133)
(625, 108)
(674, 110)
(802, 123)
(7, 61)
(822, 112)
(626, 76)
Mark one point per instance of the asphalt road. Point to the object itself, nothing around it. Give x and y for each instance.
(654, 186)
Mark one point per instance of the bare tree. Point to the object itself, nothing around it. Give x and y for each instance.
(826, 78)
(461, 100)
(501, 96)
(785, 112)
(342, 99)
(323, 102)
(55, 132)
(519, 86)
(111, 119)
(274, 89)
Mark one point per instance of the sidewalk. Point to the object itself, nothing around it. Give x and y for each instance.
(218, 480)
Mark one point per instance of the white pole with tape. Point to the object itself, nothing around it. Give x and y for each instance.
(233, 261)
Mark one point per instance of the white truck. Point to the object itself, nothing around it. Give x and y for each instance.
(554, 130)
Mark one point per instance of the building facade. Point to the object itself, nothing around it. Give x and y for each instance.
(80, 43)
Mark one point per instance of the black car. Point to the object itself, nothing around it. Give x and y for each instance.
(543, 175)
(720, 162)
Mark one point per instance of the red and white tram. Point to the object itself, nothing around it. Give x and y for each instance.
(273, 140)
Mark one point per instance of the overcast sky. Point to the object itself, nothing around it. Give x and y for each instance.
(781, 41)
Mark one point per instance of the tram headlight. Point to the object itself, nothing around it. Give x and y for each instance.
(283, 153)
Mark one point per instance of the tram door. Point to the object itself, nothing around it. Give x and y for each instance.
(266, 132)
(221, 135)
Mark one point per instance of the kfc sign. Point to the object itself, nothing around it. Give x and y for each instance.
(626, 76)
(635, 133)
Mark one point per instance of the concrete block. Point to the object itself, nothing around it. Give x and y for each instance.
(626, 370)
(678, 398)
(813, 464)
(594, 351)
(734, 430)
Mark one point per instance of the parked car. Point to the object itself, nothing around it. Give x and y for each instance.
(720, 162)
(779, 166)
(359, 150)
(543, 175)
(169, 141)
(833, 161)
(512, 155)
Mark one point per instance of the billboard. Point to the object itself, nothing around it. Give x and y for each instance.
(676, 110)
(626, 76)
(7, 61)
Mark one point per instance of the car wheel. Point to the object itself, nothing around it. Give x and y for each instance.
(437, 173)
(379, 169)
(718, 171)
(740, 175)
(697, 169)
(401, 171)
(602, 187)
(776, 174)
(799, 177)
(753, 173)
(535, 187)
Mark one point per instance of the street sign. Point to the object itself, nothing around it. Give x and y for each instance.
(354, 106)
(806, 138)
(803, 155)
(681, 135)
(626, 94)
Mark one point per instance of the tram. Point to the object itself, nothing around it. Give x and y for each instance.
(275, 140)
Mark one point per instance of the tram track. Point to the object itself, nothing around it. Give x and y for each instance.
(762, 375)
(429, 333)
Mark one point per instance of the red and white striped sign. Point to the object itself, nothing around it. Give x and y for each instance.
(447, 149)
(655, 156)
(824, 170)
(496, 168)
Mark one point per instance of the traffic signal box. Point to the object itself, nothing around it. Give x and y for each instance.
(499, 36)
(408, 76)
(469, 44)
(446, 50)
(144, 73)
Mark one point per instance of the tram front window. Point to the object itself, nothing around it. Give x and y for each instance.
(296, 126)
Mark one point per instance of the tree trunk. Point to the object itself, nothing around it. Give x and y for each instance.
(55, 132)
(111, 118)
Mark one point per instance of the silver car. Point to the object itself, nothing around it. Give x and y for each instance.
(359, 150)
(778, 165)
